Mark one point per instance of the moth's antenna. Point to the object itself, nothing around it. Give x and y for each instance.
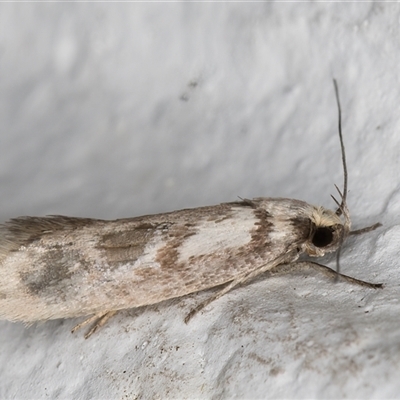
(342, 206)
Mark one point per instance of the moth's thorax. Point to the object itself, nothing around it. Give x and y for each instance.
(320, 230)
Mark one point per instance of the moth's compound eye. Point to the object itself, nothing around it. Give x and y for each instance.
(322, 237)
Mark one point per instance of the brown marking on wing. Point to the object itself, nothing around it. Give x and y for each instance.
(303, 228)
(51, 269)
(22, 231)
(259, 236)
(168, 255)
(128, 245)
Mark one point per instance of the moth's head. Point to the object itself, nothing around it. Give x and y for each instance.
(327, 231)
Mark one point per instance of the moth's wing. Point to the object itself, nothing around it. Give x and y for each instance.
(59, 267)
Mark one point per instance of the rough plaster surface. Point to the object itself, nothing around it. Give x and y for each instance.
(114, 110)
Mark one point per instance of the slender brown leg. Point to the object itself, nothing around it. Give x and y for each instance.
(331, 273)
(205, 303)
(283, 269)
(98, 319)
(366, 229)
(238, 281)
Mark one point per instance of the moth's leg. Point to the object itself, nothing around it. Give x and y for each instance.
(100, 322)
(86, 322)
(330, 273)
(366, 229)
(99, 319)
(238, 281)
(280, 266)
(205, 303)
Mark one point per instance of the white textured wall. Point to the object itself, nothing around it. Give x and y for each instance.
(113, 110)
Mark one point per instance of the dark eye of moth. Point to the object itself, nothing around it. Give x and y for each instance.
(322, 237)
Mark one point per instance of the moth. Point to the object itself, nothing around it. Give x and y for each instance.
(61, 267)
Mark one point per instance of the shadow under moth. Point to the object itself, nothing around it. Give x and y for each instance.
(61, 267)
